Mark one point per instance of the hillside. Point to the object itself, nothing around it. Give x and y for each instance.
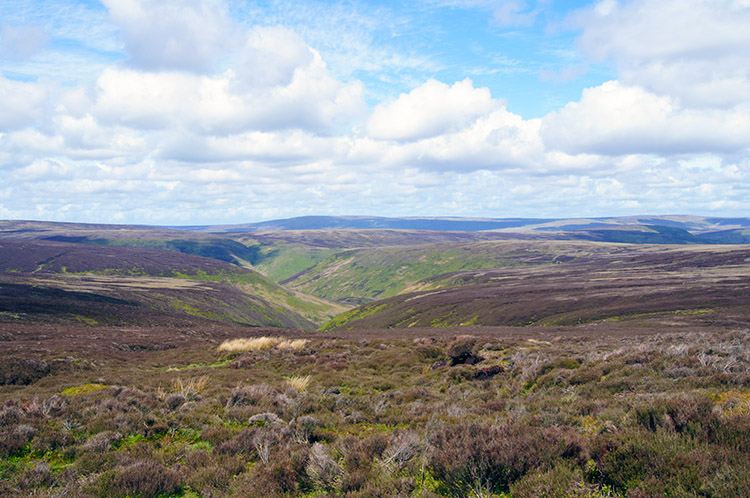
(363, 274)
(284, 254)
(57, 281)
(147, 237)
(87, 237)
(663, 285)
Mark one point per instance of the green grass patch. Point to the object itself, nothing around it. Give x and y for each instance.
(83, 389)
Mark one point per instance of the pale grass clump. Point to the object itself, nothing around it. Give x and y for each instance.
(299, 383)
(260, 343)
(190, 387)
(249, 344)
(296, 344)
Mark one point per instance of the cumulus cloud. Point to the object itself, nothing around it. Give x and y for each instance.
(617, 119)
(186, 35)
(311, 100)
(694, 51)
(270, 57)
(21, 103)
(499, 141)
(210, 121)
(430, 110)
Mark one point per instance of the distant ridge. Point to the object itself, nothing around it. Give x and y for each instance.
(678, 229)
(375, 222)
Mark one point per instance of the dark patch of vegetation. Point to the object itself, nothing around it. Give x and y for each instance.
(22, 371)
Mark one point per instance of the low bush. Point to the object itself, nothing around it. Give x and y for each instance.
(144, 479)
(22, 371)
(13, 439)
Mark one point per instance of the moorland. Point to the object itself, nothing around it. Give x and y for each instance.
(367, 357)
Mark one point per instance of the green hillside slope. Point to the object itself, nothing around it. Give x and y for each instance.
(362, 275)
(53, 278)
(667, 284)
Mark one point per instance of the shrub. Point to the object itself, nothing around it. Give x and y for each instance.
(210, 481)
(561, 481)
(249, 395)
(359, 454)
(50, 439)
(465, 458)
(216, 434)
(37, 476)
(265, 419)
(402, 447)
(22, 371)
(305, 429)
(144, 479)
(14, 439)
(99, 443)
(323, 469)
(461, 352)
(94, 463)
(174, 400)
(10, 415)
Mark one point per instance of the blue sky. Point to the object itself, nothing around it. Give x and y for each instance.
(227, 111)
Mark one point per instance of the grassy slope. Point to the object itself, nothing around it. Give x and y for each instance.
(154, 282)
(148, 237)
(702, 283)
(361, 275)
(221, 248)
(284, 254)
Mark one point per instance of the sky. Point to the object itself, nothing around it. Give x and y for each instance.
(185, 112)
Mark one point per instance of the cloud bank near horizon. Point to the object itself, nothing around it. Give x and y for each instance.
(213, 111)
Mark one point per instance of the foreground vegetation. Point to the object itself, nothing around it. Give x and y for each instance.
(568, 412)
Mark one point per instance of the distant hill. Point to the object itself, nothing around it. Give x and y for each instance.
(693, 224)
(370, 222)
(149, 237)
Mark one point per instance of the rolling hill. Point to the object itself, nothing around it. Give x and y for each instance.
(111, 284)
(662, 285)
(692, 224)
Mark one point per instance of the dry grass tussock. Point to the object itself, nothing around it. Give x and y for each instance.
(295, 344)
(299, 383)
(260, 343)
(192, 386)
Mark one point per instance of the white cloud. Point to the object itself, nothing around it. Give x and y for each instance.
(695, 51)
(44, 170)
(499, 141)
(432, 109)
(235, 125)
(21, 103)
(617, 119)
(311, 100)
(187, 35)
(270, 57)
